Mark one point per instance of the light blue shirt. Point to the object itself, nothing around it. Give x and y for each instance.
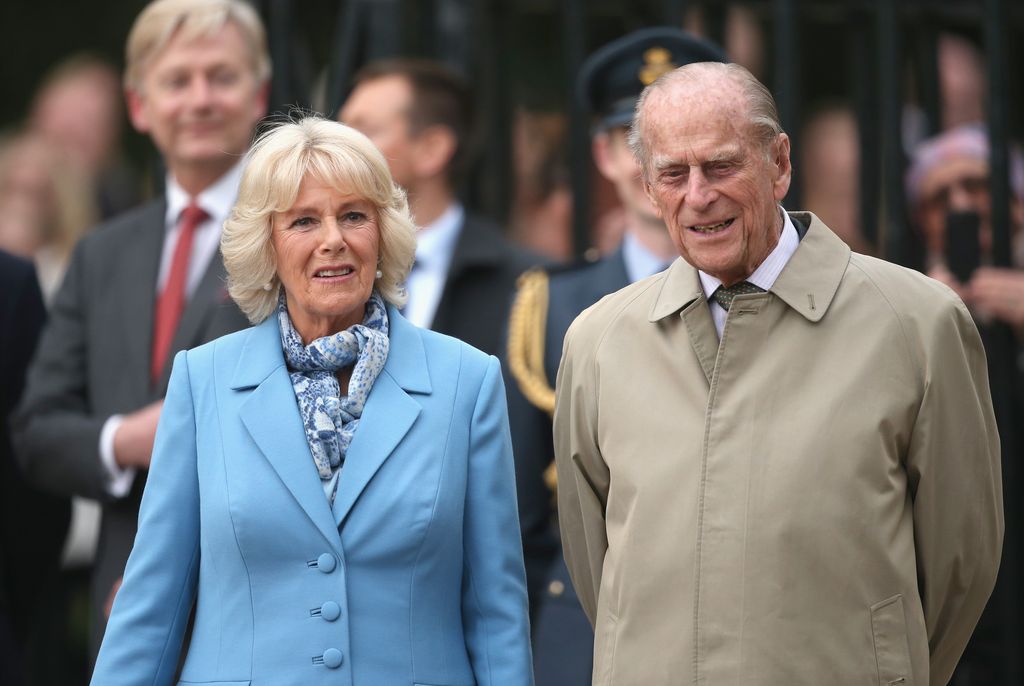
(640, 262)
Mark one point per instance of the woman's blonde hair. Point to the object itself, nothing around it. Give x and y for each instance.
(160, 20)
(275, 167)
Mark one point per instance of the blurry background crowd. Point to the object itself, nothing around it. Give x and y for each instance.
(904, 117)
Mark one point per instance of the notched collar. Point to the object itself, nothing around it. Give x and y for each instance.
(808, 283)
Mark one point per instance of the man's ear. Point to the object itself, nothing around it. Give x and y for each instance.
(137, 110)
(433, 151)
(782, 166)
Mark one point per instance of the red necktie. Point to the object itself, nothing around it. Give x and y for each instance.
(171, 302)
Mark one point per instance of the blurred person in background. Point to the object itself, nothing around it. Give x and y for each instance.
(949, 194)
(151, 281)
(546, 302)
(948, 186)
(32, 523)
(46, 205)
(419, 113)
(830, 164)
(542, 206)
(78, 108)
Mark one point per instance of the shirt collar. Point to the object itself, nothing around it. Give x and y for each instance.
(217, 200)
(768, 271)
(640, 262)
(435, 241)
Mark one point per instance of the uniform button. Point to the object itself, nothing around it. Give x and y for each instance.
(332, 658)
(325, 563)
(556, 588)
(330, 611)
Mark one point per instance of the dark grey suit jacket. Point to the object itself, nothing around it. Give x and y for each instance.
(93, 362)
(478, 290)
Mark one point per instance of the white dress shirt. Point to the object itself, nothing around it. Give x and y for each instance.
(763, 277)
(435, 244)
(217, 201)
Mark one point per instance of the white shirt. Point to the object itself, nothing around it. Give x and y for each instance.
(217, 201)
(435, 244)
(763, 277)
(640, 262)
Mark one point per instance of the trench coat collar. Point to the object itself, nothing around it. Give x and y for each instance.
(271, 416)
(808, 283)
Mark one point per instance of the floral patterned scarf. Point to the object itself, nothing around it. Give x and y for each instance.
(329, 418)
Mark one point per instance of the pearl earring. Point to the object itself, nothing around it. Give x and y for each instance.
(268, 286)
(379, 273)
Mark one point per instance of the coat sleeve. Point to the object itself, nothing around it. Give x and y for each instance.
(143, 639)
(55, 435)
(494, 606)
(953, 466)
(583, 476)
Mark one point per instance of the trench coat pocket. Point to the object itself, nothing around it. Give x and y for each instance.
(892, 652)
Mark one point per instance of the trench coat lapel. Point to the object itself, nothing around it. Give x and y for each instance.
(271, 416)
(390, 412)
(682, 293)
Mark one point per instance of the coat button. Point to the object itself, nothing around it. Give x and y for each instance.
(332, 658)
(556, 588)
(330, 611)
(325, 563)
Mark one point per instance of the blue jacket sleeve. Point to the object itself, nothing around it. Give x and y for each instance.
(494, 605)
(143, 640)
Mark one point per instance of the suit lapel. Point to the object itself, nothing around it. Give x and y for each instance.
(389, 414)
(208, 296)
(138, 271)
(271, 416)
(478, 245)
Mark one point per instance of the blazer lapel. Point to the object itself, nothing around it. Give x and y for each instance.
(138, 274)
(388, 415)
(271, 416)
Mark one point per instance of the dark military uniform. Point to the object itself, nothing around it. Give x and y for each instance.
(546, 303)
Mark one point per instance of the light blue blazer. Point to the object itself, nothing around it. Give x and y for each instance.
(414, 577)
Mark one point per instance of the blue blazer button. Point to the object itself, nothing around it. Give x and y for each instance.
(330, 611)
(332, 658)
(325, 563)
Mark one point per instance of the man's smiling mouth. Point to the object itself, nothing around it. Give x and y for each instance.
(712, 228)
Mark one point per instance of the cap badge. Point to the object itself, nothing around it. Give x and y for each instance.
(657, 61)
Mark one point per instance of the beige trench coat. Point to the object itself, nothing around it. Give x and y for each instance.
(815, 500)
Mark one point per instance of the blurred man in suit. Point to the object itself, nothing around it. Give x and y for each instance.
(420, 116)
(546, 303)
(149, 282)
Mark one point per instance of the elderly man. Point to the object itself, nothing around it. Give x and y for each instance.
(149, 282)
(419, 114)
(609, 83)
(777, 461)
